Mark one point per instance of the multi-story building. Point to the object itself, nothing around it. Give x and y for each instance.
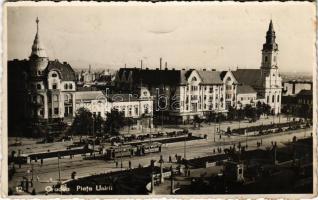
(179, 95)
(48, 90)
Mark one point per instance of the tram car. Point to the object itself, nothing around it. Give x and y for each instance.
(120, 151)
(147, 148)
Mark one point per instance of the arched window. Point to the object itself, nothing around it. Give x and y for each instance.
(70, 86)
(273, 98)
(54, 75)
(265, 58)
(194, 79)
(65, 86)
(38, 86)
(277, 98)
(267, 99)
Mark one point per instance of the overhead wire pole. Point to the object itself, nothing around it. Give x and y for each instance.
(58, 166)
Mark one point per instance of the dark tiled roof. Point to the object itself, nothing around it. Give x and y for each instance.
(245, 89)
(305, 93)
(121, 97)
(86, 89)
(248, 76)
(89, 95)
(210, 77)
(65, 70)
(154, 76)
(167, 76)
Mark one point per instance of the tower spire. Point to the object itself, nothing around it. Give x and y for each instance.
(37, 25)
(270, 43)
(37, 47)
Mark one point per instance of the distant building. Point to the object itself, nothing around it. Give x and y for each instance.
(304, 97)
(295, 86)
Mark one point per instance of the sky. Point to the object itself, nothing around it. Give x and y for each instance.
(201, 35)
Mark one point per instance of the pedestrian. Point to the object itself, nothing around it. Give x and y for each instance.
(170, 160)
(129, 163)
(116, 164)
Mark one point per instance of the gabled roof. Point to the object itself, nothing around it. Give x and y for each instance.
(245, 89)
(65, 70)
(250, 77)
(210, 77)
(90, 95)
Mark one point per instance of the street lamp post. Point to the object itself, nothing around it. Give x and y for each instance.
(93, 136)
(121, 156)
(185, 148)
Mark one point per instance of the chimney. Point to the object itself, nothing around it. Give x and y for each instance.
(183, 68)
(157, 68)
(166, 65)
(173, 69)
(204, 69)
(160, 63)
(141, 64)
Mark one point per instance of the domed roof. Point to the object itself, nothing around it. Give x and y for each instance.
(37, 47)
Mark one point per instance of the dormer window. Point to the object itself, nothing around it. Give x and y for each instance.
(65, 86)
(194, 79)
(54, 75)
(70, 86)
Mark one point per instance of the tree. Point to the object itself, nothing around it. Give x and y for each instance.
(128, 122)
(197, 120)
(114, 121)
(232, 114)
(83, 122)
(98, 122)
(266, 109)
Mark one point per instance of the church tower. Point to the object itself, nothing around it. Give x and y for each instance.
(38, 57)
(271, 80)
(270, 50)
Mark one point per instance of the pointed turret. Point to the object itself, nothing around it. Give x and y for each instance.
(38, 57)
(270, 44)
(37, 47)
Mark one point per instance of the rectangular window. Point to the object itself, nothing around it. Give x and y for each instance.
(56, 111)
(54, 86)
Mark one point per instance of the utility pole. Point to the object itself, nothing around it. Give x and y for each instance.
(93, 136)
(121, 156)
(214, 128)
(185, 148)
(58, 166)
